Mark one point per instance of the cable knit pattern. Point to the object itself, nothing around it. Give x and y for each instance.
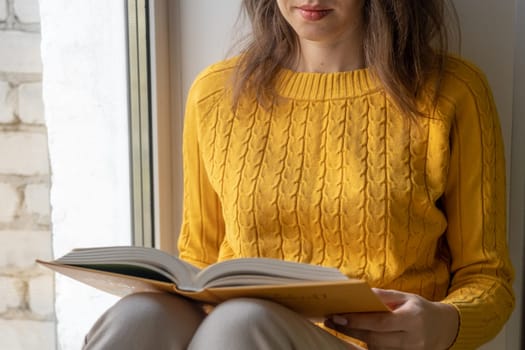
(333, 174)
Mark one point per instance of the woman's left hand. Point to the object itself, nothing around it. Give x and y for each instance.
(414, 323)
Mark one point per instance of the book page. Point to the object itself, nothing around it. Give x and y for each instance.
(138, 261)
(263, 271)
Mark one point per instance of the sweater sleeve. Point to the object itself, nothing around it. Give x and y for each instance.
(474, 202)
(202, 230)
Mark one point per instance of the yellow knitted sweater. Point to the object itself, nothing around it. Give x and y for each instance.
(333, 174)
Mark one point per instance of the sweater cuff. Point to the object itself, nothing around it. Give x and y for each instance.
(471, 327)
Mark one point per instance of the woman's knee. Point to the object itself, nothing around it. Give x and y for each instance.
(146, 318)
(244, 312)
(244, 324)
(152, 308)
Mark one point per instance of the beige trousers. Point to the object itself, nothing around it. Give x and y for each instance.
(163, 321)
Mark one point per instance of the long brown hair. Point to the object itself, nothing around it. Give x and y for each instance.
(405, 42)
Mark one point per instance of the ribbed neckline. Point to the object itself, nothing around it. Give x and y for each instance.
(323, 86)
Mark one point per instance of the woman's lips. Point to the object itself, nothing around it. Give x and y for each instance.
(310, 13)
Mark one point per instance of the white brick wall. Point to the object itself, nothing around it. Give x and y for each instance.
(27, 315)
(26, 335)
(30, 105)
(27, 11)
(3, 10)
(36, 199)
(23, 153)
(19, 249)
(6, 103)
(41, 290)
(9, 202)
(24, 52)
(10, 296)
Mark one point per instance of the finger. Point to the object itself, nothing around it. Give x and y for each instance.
(373, 321)
(329, 323)
(353, 343)
(374, 340)
(391, 298)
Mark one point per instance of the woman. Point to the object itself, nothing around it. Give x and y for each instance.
(342, 136)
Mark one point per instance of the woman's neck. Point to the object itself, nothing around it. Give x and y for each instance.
(339, 56)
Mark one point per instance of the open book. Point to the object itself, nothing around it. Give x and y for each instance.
(314, 291)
